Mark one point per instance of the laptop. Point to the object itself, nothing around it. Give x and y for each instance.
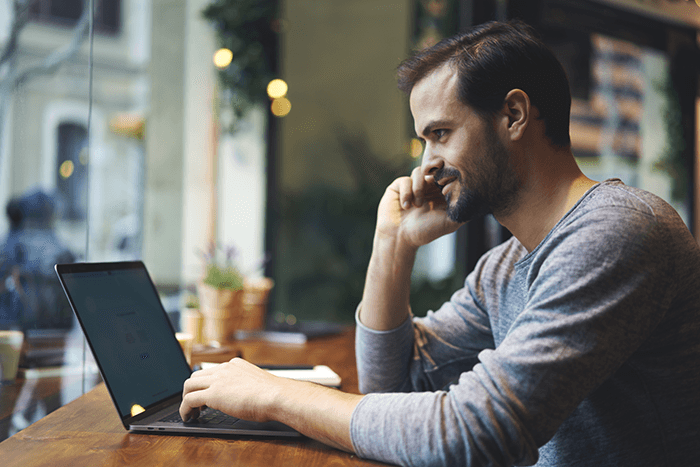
(134, 345)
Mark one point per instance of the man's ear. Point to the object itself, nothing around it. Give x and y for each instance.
(517, 110)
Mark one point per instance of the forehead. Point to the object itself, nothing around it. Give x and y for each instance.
(435, 98)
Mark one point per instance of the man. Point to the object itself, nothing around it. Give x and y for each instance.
(30, 295)
(576, 342)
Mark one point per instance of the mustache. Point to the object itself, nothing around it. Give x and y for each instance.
(445, 172)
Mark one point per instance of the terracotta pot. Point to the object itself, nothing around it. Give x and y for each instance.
(222, 310)
(255, 296)
(193, 323)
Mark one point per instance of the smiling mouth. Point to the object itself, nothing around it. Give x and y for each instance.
(444, 185)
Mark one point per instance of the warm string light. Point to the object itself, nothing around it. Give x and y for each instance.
(223, 58)
(276, 89)
(277, 92)
(280, 107)
(416, 148)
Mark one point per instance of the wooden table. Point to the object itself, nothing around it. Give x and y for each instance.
(88, 432)
(27, 400)
(53, 381)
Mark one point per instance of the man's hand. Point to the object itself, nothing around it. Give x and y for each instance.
(234, 388)
(411, 213)
(414, 211)
(243, 390)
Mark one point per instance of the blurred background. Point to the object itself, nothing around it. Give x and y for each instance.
(153, 129)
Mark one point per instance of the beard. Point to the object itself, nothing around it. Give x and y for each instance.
(491, 184)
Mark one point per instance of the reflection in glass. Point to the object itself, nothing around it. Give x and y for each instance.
(51, 145)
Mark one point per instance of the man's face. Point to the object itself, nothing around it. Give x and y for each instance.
(462, 151)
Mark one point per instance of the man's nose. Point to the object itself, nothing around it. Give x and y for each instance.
(430, 162)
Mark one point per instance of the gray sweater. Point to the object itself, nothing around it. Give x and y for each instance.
(583, 352)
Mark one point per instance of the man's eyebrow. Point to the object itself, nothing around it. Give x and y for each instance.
(432, 126)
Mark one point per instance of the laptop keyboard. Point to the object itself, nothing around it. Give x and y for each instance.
(207, 416)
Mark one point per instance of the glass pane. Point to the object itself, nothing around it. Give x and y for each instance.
(70, 190)
(344, 141)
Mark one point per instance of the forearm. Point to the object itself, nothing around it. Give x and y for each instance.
(411, 213)
(385, 301)
(243, 390)
(316, 411)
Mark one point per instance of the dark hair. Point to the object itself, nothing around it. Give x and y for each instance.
(14, 213)
(492, 59)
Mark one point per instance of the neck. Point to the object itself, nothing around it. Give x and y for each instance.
(552, 185)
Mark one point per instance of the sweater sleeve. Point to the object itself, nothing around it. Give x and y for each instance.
(592, 294)
(406, 358)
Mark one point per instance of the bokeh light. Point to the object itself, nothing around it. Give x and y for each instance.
(281, 107)
(223, 58)
(416, 148)
(66, 169)
(277, 88)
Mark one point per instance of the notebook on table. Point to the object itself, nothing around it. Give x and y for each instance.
(134, 345)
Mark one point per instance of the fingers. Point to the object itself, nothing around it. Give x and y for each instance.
(404, 186)
(234, 387)
(193, 395)
(196, 382)
(412, 190)
(418, 186)
(191, 405)
(189, 414)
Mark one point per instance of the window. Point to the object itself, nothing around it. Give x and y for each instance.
(72, 166)
(633, 113)
(67, 12)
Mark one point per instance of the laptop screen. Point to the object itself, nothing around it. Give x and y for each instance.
(128, 331)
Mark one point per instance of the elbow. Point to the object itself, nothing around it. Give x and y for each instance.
(378, 383)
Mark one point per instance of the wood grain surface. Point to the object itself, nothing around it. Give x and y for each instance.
(88, 432)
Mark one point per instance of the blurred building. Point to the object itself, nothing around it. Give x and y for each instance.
(47, 129)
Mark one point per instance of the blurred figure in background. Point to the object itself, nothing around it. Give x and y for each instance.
(30, 295)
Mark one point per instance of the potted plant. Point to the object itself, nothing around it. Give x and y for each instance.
(255, 298)
(220, 294)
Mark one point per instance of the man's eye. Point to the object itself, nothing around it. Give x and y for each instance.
(439, 133)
